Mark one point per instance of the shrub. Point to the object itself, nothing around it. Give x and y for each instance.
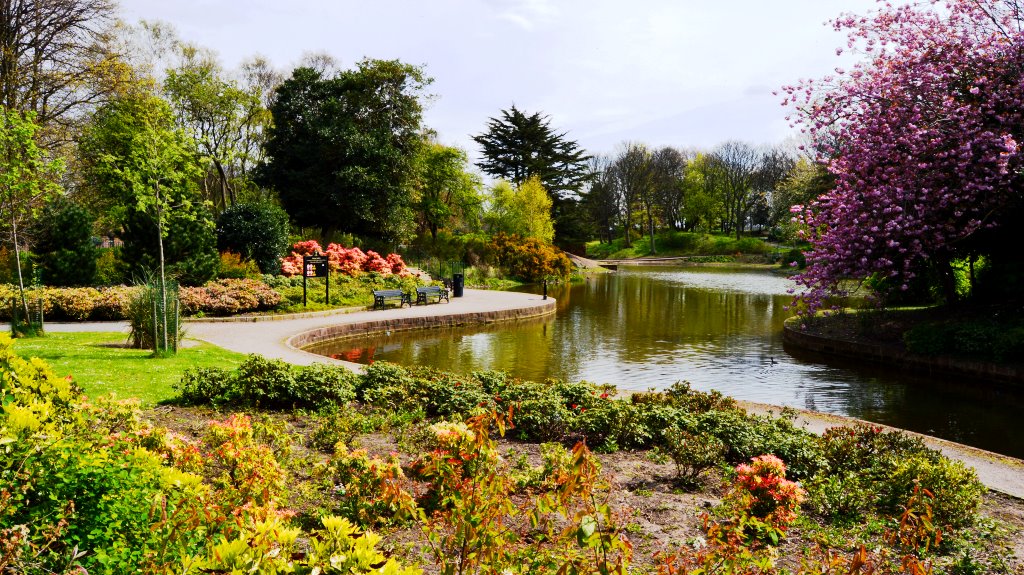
(326, 385)
(794, 258)
(692, 454)
(229, 296)
(342, 260)
(257, 232)
(66, 252)
(987, 339)
(369, 489)
(955, 487)
(840, 498)
(270, 384)
(76, 304)
(114, 303)
(528, 258)
(232, 266)
(444, 394)
(109, 267)
(763, 502)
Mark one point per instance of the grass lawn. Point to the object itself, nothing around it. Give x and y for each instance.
(671, 244)
(99, 364)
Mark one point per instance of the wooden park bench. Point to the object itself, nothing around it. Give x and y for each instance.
(422, 293)
(381, 296)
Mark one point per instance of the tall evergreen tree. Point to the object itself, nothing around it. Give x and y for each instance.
(517, 146)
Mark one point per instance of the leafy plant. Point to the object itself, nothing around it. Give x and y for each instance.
(692, 454)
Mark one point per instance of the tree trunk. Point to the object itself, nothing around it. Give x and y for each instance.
(650, 228)
(226, 191)
(17, 261)
(163, 281)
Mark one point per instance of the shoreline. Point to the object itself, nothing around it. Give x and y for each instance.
(996, 374)
(279, 339)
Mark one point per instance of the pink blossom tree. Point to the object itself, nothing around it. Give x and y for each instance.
(922, 136)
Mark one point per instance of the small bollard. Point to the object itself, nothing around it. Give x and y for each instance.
(545, 289)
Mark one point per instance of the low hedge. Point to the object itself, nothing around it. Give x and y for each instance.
(223, 297)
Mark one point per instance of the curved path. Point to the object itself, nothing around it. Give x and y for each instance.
(282, 338)
(276, 336)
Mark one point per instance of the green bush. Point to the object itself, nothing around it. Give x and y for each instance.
(66, 252)
(794, 258)
(444, 394)
(839, 498)
(256, 231)
(270, 384)
(956, 488)
(982, 339)
(692, 454)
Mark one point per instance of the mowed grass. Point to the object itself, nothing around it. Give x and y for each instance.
(101, 365)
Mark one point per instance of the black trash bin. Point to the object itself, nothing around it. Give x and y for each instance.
(458, 284)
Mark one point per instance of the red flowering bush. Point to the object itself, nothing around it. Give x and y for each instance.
(763, 502)
(346, 261)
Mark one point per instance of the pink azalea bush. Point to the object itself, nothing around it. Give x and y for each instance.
(346, 261)
(923, 139)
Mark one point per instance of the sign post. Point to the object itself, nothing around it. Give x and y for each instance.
(316, 267)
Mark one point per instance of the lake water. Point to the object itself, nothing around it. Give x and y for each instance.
(717, 328)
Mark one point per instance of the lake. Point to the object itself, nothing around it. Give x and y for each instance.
(718, 328)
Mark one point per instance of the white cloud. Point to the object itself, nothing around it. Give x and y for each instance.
(662, 71)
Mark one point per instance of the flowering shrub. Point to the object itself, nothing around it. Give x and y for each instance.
(923, 138)
(228, 296)
(73, 303)
(762, 501)
(528, 258)
(246, 471)
(370, 489)
(347, 261)
(763, 486)
(114, 302)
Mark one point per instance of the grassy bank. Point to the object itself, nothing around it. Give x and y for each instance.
(675, 244)
(972, 332)
(100, 364)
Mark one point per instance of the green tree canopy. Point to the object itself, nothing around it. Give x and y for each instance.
(342, 149)
(517, 146)
(448, 193)
(256, 231)
(64, 246)
(523, 210)
(225, 120)
(149, 169)
(27, 178)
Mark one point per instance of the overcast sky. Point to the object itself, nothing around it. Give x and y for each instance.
(686, 73)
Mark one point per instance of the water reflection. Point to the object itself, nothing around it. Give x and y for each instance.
(717, 328)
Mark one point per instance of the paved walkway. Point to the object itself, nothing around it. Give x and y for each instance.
(269, 335)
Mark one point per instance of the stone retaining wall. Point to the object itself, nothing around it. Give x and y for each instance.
(331, 332)
(937, 365)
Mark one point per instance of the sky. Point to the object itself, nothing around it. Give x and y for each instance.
(684, 73)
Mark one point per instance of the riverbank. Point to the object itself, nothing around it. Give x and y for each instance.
(845, 335)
